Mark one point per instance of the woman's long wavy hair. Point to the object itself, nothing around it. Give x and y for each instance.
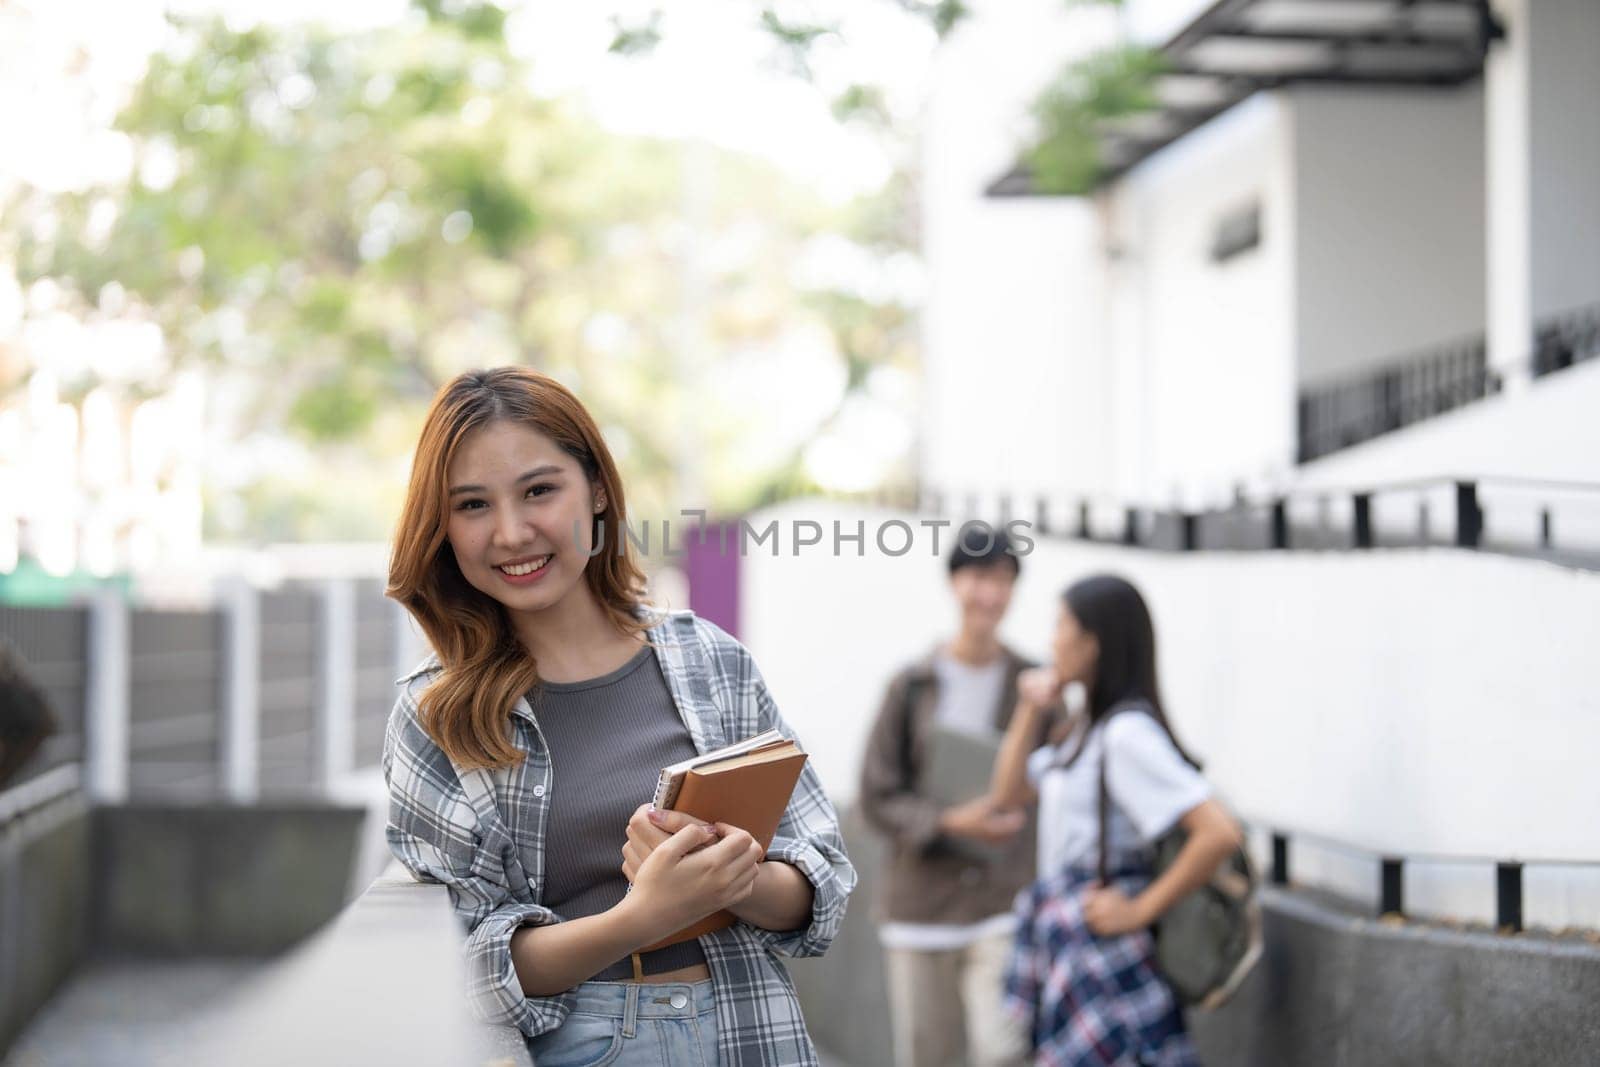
(486, 668)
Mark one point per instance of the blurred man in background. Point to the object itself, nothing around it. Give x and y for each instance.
(955, 862)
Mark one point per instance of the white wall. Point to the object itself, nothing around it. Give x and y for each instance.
(1565, 144)
(1434, 701)
(1197, 344)
(1011, 325)
(1389, 218)
(1543, 161)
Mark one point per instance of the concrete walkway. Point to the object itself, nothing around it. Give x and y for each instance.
(139, 1013)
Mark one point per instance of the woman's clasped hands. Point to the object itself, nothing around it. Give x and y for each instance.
(683, 869)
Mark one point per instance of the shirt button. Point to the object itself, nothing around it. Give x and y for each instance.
(679, 1001)
(538, 790)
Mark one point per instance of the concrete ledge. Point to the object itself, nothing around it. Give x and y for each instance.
(193, 880)
(1335, 990)
(384, 984)
(45, 882)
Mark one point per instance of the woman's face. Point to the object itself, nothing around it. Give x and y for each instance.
(1076, 649)
(514, 499)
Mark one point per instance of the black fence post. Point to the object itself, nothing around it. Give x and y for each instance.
(1280, 523)
(1280, 859)
(1130, 527)
(1546, 530)
(1363, 519)
(1041, 516)
(1083, 520)
(1469, 516)
(1188, 531)
(1508, 896)
(1391, 898)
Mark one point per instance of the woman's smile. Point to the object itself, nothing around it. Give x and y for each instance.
(527, 570)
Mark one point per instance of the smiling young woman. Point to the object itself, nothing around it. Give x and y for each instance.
(518, 754)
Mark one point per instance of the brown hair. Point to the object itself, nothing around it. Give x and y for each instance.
(486, 668)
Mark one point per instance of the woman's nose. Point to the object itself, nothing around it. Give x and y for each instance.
(508, 528)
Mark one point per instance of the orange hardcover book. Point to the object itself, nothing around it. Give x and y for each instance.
(749, 789)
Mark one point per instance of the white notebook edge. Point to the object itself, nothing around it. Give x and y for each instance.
(671, 778)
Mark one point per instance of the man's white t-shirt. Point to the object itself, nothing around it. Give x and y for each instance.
(969, 694)
(1150, 784)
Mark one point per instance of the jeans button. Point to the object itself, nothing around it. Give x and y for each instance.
(679, 1001)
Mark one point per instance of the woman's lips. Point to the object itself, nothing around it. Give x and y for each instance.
(530, 577)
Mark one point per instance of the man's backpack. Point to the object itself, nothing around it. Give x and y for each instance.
(1208, 941)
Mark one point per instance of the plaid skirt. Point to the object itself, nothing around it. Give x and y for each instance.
(1087, 1000)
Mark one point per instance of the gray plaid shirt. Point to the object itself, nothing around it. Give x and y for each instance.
(481, 833)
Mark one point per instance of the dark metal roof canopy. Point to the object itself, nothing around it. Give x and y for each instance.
(1237, 47)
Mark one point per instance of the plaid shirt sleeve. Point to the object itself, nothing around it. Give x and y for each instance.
(435, 832)
(808, 836)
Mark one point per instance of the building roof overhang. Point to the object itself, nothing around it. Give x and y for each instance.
(1235, 48)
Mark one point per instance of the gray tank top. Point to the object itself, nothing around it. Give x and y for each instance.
(608, 738)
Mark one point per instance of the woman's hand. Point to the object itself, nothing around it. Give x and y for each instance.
(980, 820)
(1109, 911)
(1039, 687)
(692, 874)
(648, 830)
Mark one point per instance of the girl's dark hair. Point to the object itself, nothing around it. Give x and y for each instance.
(1112, 609)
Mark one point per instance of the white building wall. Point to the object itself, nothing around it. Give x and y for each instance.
(1409, 701)
(1204, 393)
(1564, 136)
(1389, 223)
(1012, 321)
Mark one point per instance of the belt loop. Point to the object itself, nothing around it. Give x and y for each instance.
(638, 966)
(630, 1014)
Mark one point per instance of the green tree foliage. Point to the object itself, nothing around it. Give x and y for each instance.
(335, 225)
(1073, 112)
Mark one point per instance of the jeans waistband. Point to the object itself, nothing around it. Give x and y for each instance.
(644, 1000)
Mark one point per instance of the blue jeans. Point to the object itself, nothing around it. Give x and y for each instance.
(634, 1024)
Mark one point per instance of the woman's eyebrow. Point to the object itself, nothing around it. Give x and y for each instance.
(535, 473)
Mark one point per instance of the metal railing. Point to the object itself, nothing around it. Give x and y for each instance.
(1409, 389)
(1546, 519)
(275, 692)
(1398, 394)
(1390, 867)
(1563, 340)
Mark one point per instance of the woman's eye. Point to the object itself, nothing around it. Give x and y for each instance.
(478, 505)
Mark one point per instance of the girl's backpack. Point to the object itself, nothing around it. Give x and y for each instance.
(1207, 942)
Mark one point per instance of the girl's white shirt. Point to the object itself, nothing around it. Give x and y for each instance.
(1150, 784)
